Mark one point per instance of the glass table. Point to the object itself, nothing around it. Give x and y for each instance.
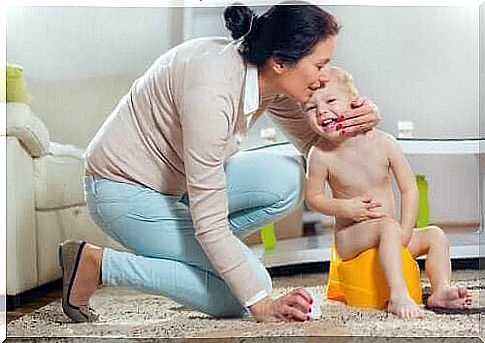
(317, 248)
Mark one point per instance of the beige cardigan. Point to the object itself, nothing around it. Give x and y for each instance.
(174, 130)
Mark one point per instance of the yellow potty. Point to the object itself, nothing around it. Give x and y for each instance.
(360, 282)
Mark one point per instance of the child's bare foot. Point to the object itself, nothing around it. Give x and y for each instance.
(451, 297)
(405, 307)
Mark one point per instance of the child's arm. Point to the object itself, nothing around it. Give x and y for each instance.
(356, 209)
(316, 176)
(407, 186)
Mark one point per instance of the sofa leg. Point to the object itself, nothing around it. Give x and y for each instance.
(41, 295)
(13, 301)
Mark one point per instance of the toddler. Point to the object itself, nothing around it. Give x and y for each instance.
(358, 171)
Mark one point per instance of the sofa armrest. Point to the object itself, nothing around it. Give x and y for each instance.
(58, 182)
(27, 128)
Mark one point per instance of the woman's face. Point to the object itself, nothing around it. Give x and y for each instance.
(309, 73)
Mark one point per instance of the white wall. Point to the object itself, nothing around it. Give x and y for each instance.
(62, 43)
(73, 110)
(482, 101)
(418, 63)
(79, 61)
(482, 70)
(421, 64)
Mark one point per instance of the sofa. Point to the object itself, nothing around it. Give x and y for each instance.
(45, 201)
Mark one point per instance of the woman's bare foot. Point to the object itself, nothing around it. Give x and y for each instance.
(451, 297)
(87, 279)
(405, 307)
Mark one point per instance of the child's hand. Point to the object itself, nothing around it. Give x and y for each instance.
(361, 208)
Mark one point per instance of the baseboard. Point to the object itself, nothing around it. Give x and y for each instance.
(320, 267)
(14, 301)
(305, 268)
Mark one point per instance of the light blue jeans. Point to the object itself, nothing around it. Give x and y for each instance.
(167, 259)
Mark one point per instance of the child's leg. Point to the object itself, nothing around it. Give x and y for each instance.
(432, 241)
(386, 235)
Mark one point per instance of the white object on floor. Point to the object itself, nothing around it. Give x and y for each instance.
(316, 311)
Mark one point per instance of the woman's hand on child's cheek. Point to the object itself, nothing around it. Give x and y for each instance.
(362, 118)
(357, 102)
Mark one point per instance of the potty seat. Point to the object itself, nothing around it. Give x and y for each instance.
(360, 282)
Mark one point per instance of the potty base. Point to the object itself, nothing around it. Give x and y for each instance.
(360, 282)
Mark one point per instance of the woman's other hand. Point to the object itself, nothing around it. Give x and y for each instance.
(360, 208)
(362, 117)
(294, 306)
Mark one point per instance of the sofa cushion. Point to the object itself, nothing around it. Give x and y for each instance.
(27, 128)
(58, 182)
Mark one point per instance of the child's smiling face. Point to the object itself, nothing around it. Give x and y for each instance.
(327, 103)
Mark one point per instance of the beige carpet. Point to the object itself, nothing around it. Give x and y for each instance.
(131, 314)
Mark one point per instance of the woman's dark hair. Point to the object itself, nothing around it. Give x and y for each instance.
(287, 31)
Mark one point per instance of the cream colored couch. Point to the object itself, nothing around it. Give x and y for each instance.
(45, 201)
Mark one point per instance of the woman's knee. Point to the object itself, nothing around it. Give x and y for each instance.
(275, 180)
(285, 180)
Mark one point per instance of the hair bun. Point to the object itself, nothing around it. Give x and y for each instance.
(238, 19)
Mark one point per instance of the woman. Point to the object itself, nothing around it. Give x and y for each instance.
(163, 179)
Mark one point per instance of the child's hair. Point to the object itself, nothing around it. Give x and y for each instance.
(343, 78)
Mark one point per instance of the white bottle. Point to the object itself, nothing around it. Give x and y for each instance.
(268, 135)
(405, 129)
